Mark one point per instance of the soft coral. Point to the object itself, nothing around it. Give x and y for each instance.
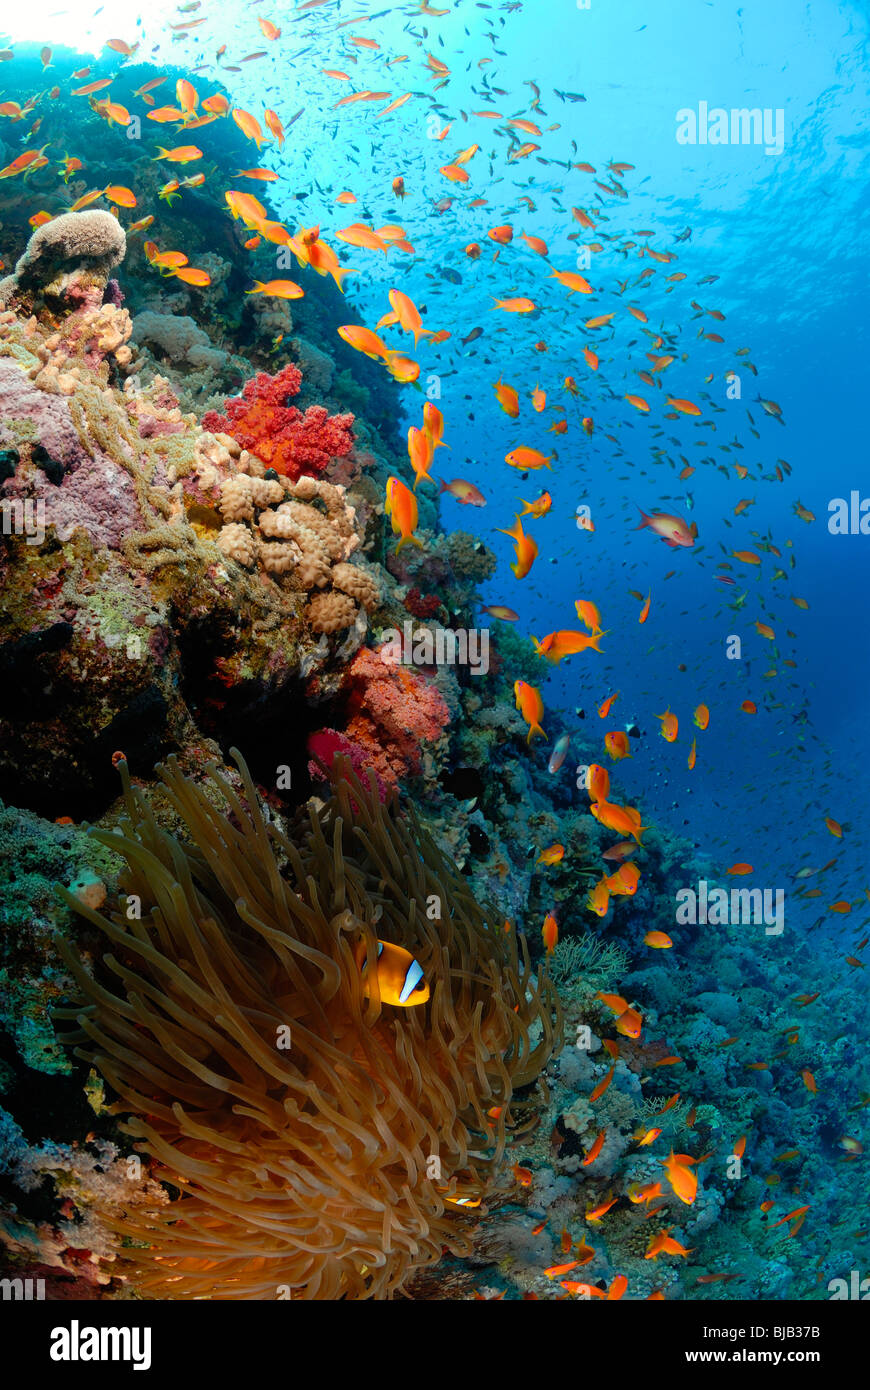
(264, 423)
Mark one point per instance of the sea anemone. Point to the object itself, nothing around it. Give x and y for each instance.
(305, 1132)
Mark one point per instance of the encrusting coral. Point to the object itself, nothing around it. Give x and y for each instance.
(308, 1130)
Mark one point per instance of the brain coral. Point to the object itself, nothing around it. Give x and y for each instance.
(307, 1130)
(76, 243)
(292, 443)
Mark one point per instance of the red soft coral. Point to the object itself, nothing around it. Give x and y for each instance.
(421, 605)
(326, 743)
(292, 443)
(391, 712)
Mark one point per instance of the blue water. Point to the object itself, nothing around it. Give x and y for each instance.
(785, 235)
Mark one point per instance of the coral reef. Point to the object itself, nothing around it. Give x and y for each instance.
(126, 596)
(274, 1091)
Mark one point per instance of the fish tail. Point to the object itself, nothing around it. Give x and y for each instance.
(645, 520)
(535, 728)
(404, 541)
(162, 155)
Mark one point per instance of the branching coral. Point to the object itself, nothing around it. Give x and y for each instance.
(305, 1127)
(282, 436)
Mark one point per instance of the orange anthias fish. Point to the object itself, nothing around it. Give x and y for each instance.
(539, 507)
(702, 716)
(526, 548)
(664, 1244)
(672, 529)
(598, 782)
(588, 613)
(433, 424)
(550, 933)
(193, 276)
(554, 854)
(598, 898)
(557, 645)
(182, 154)
(275, 126)
(507, 398)
(420, 453)
(401, 508)
(597, 1146)
(603, 709)
(519, 305)
(617, 745)
(124, 197)
(363, 340)
(281, 289)
(596, 1213)
(531, 707)
(624, 819)
(683, 1181)
(670, 726)
(408, 315)
(623, 883)
(249, 126)
(524, 457)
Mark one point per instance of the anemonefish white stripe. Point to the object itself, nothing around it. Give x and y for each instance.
(413, 977)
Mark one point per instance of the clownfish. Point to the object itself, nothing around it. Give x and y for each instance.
(458, 1201)
(400, 976)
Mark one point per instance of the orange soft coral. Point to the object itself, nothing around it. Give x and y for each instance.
(392, 711)
(264, 423)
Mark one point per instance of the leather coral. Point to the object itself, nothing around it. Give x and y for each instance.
(305, 1130)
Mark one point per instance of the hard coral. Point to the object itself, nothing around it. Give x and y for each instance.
(290, 536)
(291, 442)
(306, 1129)
(75, 248)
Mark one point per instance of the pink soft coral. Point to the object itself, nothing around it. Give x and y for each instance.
(327, 743)
(391, 712)
(282, 436)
